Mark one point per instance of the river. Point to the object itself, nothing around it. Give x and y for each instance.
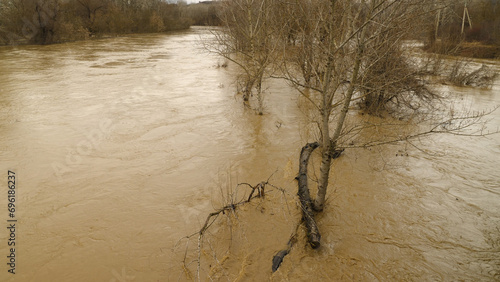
(122, 146)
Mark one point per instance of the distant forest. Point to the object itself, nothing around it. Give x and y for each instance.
(54, 21)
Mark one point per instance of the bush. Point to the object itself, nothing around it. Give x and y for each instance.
(390, 83)
(481, 77)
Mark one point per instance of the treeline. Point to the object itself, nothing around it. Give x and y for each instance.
(52, 21)
(457, 25)
(203, 13)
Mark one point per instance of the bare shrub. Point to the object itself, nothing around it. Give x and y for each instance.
(391, 83)
(247, 41)
(482, 77)
(431, 64)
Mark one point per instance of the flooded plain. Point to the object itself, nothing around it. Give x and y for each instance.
(122, 146)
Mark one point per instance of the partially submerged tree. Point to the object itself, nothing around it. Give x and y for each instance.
(247, 41)
(349, 51)
(337, 54)
(342, 56)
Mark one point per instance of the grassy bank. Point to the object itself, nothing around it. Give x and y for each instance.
(466, 49)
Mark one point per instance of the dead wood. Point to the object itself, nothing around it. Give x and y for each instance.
(213, 216)
(313, 234)
(280, 255)
(278, 258)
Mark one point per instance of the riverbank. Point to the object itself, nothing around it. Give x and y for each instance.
(16, 40)
(476, 50)
(48, 22)
(79, 34)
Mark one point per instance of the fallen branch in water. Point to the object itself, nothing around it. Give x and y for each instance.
(280, 255)
(305, 199)
(258, 191)
(313, 235)
(212, 217)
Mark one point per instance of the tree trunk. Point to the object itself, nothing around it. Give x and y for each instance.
(325, 147)
(305, 198)
(332, 144)
(260, 107)
(326, 162)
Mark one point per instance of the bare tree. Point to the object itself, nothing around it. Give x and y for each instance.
(246, 40)
(35, 20)
(338, 54)
(348, 53)
(91, 9)
(331, 55)
(341, 55)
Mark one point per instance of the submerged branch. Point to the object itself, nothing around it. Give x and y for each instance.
(280, 255)
(313, 234)
(454, 125)
(212, 217)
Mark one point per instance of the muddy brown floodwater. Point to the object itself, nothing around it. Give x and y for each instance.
(121, 147)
